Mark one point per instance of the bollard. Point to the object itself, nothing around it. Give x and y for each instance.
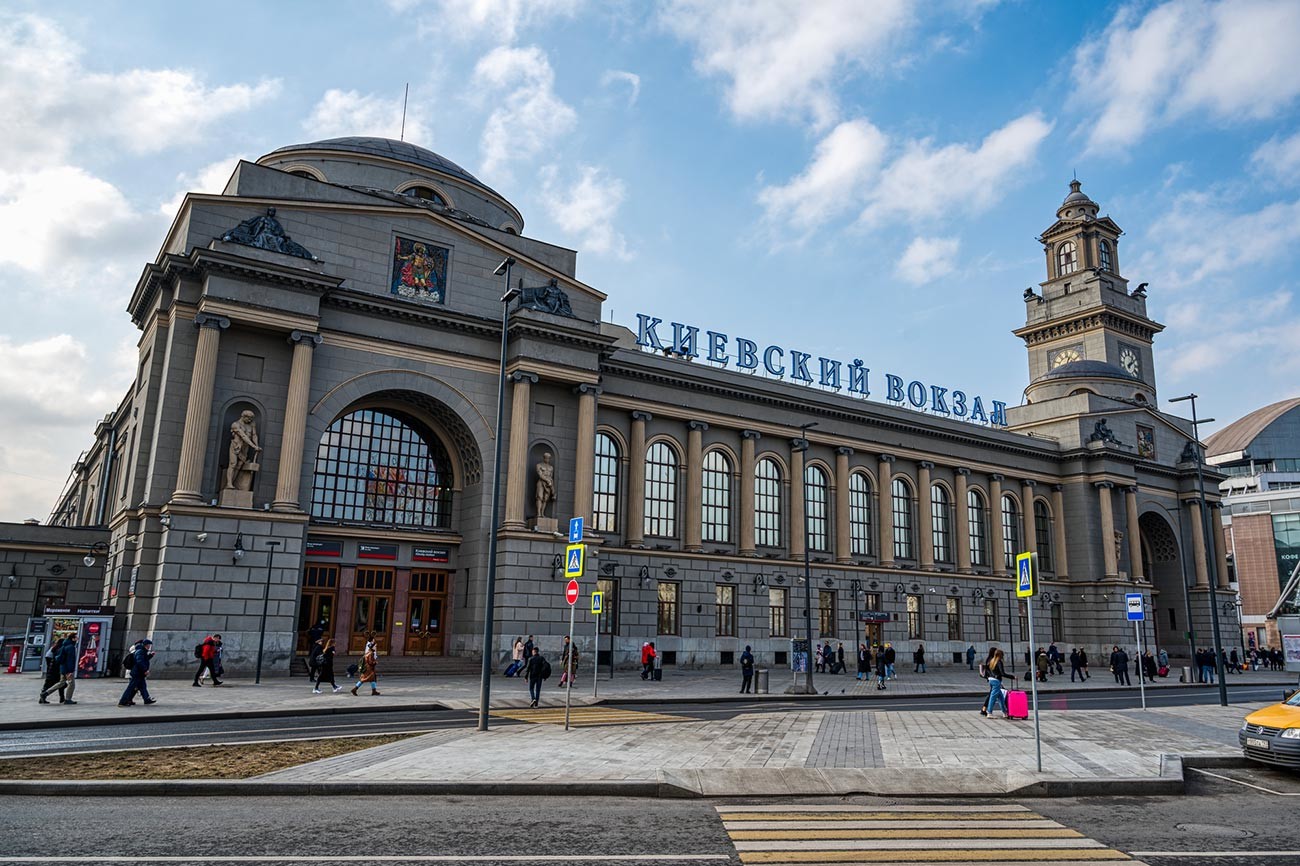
(760, 681)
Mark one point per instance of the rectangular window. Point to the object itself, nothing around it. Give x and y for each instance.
(660, 491)
(1024, 620)
(871, 601)
(604, 505)
(991, 619)
(826, 612)
(1058, 623)
(776, 610)
(726, 601)
(668, 611)
(609, 608)
(954, 618)
(915, 624)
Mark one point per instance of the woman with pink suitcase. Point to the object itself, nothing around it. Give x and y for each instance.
(996, 674)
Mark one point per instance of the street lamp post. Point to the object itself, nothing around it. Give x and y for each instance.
(1205, 524)
(802, 446)
(489, 605)
(856, 586)
(266, 600)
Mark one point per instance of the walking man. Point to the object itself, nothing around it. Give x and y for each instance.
(52, 675)
(1076, 665)
(970, 657)
(66, 660)
(746, 670)
(918, 659)
(140, 658)
(207, 653)
(1119, 666)
(536, 671)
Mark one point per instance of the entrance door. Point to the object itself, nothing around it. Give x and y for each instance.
(372, 608)
(318, 601)
(426, 622)
(871, 635)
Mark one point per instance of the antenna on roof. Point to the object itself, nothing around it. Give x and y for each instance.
(405, 94)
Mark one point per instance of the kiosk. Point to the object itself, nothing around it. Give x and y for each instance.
(91, 627)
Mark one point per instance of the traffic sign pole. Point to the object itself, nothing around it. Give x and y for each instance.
(1142, 682)
(1027, 588)
(571, 593)
(595, 659)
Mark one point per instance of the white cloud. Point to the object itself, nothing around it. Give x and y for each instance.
(587, 208)
(631, 79)
(51, 101)
(1226, 60)
(529, 116)
(927, 259)
(1279, 159)
(1258, 330)
(1200, 237)
(499, 20)
(780, 58)
(348, 112)
(211, 178)
(51, 216)
(843, 165)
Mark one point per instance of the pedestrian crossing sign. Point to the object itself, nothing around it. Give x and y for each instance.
(573, 558)
(598, 602)
(1026, 575)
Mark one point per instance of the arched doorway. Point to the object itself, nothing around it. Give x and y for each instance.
(1162, 565)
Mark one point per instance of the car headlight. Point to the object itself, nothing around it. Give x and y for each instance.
(1245, 725)
(1291, 734)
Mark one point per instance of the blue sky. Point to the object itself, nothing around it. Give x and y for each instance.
(852, 179)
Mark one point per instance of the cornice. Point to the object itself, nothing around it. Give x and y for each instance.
(1089, 320)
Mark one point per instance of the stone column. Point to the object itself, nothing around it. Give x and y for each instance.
(960, 476)
(885, 511)
(1107, 528)
(692, 534)
(636, 481)
(747, 440)
(517, 467)
(1027, 514)
(1134, 538)
(924, 515)
(585, 459)
(1060, 559)
(1220, 544)
(843, 538)
(198, 412)
(295, 422)
(1198, 544)
(997, 547)
(798, 528)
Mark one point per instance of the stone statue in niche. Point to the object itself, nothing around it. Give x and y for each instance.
(549, 298)
(1119, 545)
(237, 490)
(265, 233)
(544, 495)
(1101, 432)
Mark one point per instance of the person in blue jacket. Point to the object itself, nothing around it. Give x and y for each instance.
(141, 655)
(67, 662)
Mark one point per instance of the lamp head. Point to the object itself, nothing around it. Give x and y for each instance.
(504, 266)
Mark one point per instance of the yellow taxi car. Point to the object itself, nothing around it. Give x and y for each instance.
(1272, 735)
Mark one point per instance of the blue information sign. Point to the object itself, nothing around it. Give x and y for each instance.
(1136, 610)
(575, 530)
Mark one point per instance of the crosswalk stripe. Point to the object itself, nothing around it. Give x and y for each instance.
(844, 807)
(970, 824)
(968, 843)
(1091, 857)
(841, 833)
(877, 816)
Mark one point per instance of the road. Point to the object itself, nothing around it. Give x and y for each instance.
(1220, 822)
(211, 732)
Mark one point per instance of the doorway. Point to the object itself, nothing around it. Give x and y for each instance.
(372, 609)
(317, 603)
(426, 617)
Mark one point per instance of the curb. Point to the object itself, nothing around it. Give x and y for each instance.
(220, 716)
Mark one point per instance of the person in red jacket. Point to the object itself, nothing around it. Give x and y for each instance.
(207, 661)
(647, 660)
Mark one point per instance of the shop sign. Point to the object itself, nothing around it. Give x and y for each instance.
(430, 554)
(376, 551)
(84, 610)
(324, 548)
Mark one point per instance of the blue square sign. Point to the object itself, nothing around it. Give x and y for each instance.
(1136, 609)
(575, 530)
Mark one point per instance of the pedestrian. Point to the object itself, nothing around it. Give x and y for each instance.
(1149, 666)
(819, 660)
(66, 662)
(864, 662)
(647, 660)
(516, 658)
(368, 668)
(313, 660)
(568, 664)
(206, 653)
(882, 671)
(538, 669)
(138, 660)
(1042, 664)
(325, 667)
(1163, 655)
(1205, 662)
(996, 675)
(1076, 665)
(316, 632)
(1054, 659)
(52, 674)
(1119, 666)
(657, 658)
(746, 670)
(839, 658)
(528, 649)
(918, 659)
(890, 655)
(970, 657)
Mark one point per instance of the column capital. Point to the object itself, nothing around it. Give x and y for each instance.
(886, 458)
(845, 450)
(961, 470)
(588, 388)
(1057, 488)
(306, 338)
(1103, 485)
(925, 464)
(697, 425)
(1028, 482)
(207, 320)
(519, 376)
(800, 445)
(1131, 490)
(999, 478)
(751, 434)
(642, 416)
(1213, 505)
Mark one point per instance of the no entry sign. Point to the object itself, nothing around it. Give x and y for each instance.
(571, 592)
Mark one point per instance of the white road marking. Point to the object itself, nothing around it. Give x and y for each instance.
(386, 858)
(971, 844)
(1195, 854)
(1245, 784)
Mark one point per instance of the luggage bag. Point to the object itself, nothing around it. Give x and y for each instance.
(1017, 704)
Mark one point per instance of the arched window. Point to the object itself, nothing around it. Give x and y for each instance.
(1043, 535)
(1103, 253)
(661, 490)
(1010, 531)
(381, 467)
(814, 485)
(604, 506)
(978, 526)
(901, 496)
(767, 503)
(1067, 259)
(941, 523)
(716, 500)
(426, 193)
(860, 535)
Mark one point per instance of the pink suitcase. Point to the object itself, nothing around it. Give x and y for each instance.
(1017, 704)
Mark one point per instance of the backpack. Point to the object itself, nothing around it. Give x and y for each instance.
(546, 669)
(128, 663)
(198, 650)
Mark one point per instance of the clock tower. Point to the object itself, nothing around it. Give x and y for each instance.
(1085, 331)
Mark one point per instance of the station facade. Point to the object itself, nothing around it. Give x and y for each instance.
(310, 435)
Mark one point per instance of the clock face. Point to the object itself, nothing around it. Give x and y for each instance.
(1128, 359)
(1066, 356)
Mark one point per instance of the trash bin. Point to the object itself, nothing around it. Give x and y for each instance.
(1187, 676)
(760, 681)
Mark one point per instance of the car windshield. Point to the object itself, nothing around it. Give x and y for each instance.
(1294, 700)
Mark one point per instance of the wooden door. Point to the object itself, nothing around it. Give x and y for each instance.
(372, 609)
(318, 601)
(427, 614)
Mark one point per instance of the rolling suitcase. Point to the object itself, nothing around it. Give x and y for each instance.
(658, 674)
(1017, 704)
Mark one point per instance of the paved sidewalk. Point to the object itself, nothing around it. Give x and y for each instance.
(177, 699)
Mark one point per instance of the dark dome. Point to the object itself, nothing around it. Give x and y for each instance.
(1076, 194)
(402, 151)
(1088, 370)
